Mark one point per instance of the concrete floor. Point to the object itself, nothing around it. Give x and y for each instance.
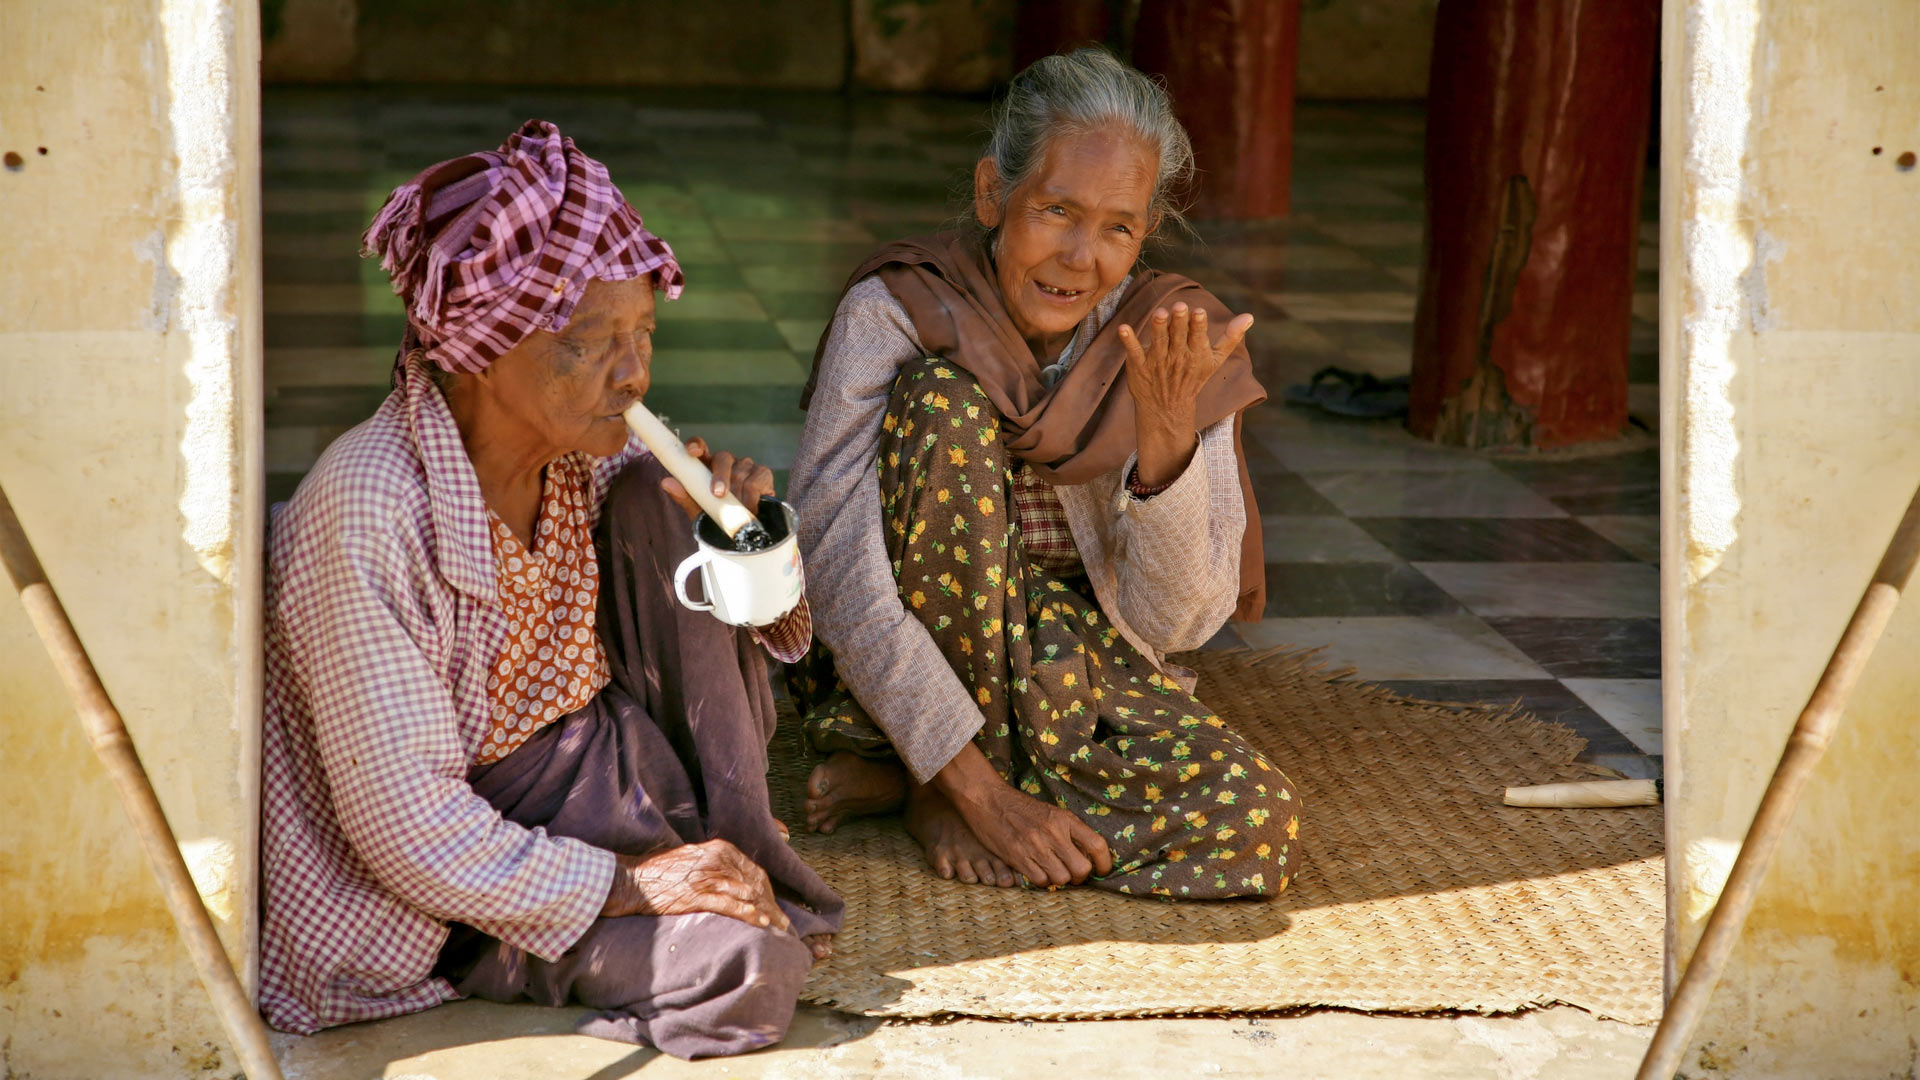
(474, 1039)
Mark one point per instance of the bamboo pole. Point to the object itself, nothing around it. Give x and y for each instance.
(1811, 735)
(108, 735)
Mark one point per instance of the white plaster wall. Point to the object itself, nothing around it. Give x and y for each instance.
(129, 444)
(1790, 326)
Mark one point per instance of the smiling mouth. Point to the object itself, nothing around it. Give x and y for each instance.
(1064, 294)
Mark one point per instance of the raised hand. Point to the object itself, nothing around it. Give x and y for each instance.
(742, 476)
(713, 876)
(1166, 372)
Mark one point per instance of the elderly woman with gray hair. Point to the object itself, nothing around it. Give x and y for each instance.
(1020, 489)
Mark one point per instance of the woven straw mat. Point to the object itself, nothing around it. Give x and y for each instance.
(1419, 890)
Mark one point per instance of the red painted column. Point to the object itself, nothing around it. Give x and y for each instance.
(1230, 66)
(1044, 27)
(1537, 117)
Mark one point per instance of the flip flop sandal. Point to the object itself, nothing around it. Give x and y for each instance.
(1353, 393)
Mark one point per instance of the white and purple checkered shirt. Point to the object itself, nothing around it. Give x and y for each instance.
(383, 623)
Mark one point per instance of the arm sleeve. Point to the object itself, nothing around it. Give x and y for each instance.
(389, 743)
(1173, 592)
(883, 653)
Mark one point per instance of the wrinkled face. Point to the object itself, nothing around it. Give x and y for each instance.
(1069, 233)
(566, 390)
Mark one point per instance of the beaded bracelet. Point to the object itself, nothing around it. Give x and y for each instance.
(1141, 491)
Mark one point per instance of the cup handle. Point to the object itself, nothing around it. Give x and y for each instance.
(687, 567)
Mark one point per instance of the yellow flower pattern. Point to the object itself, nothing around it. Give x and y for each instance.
(1050, 672)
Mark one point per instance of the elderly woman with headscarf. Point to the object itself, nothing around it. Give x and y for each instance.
(1021, 488)
(499, 760)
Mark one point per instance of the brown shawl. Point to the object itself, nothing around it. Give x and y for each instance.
(1083, 426)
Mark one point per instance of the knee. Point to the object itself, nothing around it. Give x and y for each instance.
(1271, 836)
(759, 974)
(934, 376)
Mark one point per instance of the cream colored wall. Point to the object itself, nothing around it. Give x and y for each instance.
(129, 444)
(1790, 322)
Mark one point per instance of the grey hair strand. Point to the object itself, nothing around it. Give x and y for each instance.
(1086, 90)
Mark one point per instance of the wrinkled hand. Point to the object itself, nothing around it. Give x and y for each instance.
(747, 480)
(1165, 374)
(1041, 842)
(713, 876)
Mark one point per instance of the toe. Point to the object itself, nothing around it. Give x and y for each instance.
(967, 872)
(819, 782)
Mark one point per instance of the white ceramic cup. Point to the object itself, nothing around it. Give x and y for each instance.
(752, 588)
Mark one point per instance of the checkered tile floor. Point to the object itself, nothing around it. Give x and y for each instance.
(1443, 574)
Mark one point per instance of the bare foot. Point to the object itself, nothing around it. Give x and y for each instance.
(821, 944)
(785, 833)
(952, 848)
(847, 786)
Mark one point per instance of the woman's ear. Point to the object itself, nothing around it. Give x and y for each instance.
(1153, 225)
(986, 193)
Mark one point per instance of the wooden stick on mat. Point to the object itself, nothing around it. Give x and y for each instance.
(108, 734)
(1811, 734)
(1587, 794)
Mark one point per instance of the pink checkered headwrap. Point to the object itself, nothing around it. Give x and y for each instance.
(487, 248)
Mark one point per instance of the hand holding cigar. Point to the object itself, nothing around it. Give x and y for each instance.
(715, 497)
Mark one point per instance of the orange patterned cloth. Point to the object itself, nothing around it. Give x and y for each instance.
(552, 663)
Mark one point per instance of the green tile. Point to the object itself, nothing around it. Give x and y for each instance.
(341, 246)
(835, 261)
(318, 179)
(724, 201)
(689, 403)
(715, 303)
(812, 304)
(693, 231)
(885, 229)
(335, 270)
(768, 443)
(729, 367)
(352, 298)
(314, 406)
(716, 273)
(653, 197)
(715, 333)
(335, 331)
(697, 249)
(808, 277)
(800, 230)
(802, 334)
